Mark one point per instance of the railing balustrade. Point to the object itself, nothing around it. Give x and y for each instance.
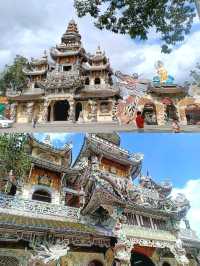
(17, 205)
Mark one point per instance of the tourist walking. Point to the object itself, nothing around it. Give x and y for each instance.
(34, 121)
(140, 122)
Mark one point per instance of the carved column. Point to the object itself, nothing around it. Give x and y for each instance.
(123, 254)
(182, 115)
(160, 111)
(45, 111)
(180, 253)
(93, 106)
(71, 111)
(29, 109)
(13, 112)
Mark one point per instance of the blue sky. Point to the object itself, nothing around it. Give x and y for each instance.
(166, 156)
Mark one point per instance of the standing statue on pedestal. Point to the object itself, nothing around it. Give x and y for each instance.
(162, 77)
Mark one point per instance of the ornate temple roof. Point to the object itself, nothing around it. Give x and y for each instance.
(95, 144)
(113, 138)
(65, 153)
(48, 146)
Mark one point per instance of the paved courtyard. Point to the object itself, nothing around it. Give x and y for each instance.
(92, 128)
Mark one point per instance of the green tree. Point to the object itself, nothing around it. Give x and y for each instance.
(13, 156)
(172, 20)
(13, 75)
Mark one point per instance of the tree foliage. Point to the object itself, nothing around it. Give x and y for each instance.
(172, 19)
(13, 155)
(13, 75)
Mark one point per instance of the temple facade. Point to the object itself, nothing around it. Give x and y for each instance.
(98, 211)
(75, 86)
(78, 87)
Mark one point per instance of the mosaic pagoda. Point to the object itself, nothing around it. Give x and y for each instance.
(78, 87)
(98, 211)
(75, 86)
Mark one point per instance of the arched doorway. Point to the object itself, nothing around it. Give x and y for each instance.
(170, 110)
(192, 114)
(61, 111)
(138, 259)
(41, 195)
(95, 263)
(79, 109)
(166, 264)
(149, 113)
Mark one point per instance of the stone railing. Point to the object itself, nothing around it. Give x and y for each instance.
(147, 233)
(31, 208)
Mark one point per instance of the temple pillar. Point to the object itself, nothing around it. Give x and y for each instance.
(93, 105)
(160, 112)
(29, 109)
(45, 111)
(182, 115)
(123, 254)
(180, 253)
(13, 112)
(114, 111)
(52, 112)
(71, 110)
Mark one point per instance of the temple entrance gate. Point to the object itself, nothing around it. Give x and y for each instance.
(149, 113)
(61, 110)
(192, 114)
(138, 259)
(79, 109)
(170, 110)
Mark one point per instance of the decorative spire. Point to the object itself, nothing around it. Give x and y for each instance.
(72, 27)
(47, 140)
(71, 34)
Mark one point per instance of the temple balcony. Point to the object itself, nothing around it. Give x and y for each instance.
(188, 235)
(16, 205)
(148, 233)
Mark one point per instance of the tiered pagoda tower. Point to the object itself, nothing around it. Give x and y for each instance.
(76, 87)
(94, 212)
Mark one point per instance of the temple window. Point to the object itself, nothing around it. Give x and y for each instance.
(42, 195)
(131, 219)
(72, 200)
(146, 221)
(166, 264)
(87, 81)
(95, 263)
(104, 107)
(160, 224)
(192, 114)
(97, 81)
(36, 85)
(67, 68)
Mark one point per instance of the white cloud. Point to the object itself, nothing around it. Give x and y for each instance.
(192, 192)
(29, 31)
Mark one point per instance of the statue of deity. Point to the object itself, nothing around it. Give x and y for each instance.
(162, 77)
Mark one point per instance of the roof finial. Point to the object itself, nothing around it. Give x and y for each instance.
(47, 139)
